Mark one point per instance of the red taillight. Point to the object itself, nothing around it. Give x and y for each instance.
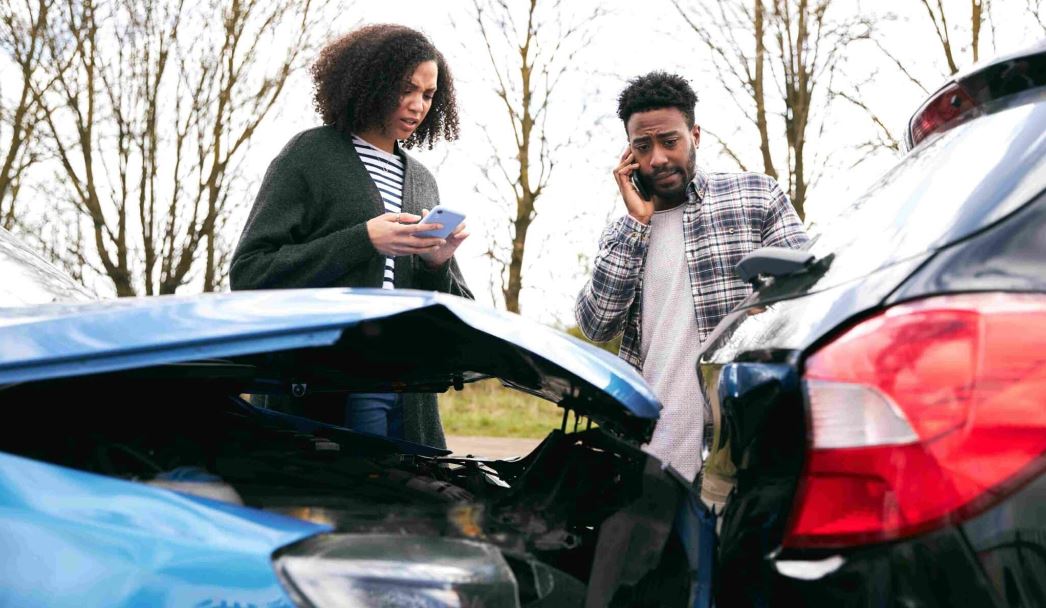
(949, 107)
(925, 414)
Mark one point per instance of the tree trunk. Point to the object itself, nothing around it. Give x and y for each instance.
(525, 211)
(759, 91)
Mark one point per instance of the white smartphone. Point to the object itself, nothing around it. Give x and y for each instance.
(441, 215)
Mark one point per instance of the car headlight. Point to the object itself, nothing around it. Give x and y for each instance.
(378, 570)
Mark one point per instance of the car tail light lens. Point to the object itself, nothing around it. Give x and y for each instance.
(951, 106)
(925, 414)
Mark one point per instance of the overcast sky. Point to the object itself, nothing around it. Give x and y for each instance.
(633, 39)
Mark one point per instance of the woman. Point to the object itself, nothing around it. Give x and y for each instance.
(340, 204)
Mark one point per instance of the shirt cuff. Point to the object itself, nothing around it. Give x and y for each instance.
(631, 232)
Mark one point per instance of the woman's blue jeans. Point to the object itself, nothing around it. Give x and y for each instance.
(375, 413)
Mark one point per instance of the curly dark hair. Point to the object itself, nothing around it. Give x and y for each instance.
(358, 78)
(654, 91)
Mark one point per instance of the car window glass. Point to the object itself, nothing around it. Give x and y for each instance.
(955, 184)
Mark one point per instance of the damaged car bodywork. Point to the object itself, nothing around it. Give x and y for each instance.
(142, 470)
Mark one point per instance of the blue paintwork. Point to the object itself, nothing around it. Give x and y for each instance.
(69, 538)
(78, 539)
(61, 340)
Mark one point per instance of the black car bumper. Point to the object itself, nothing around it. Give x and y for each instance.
(937, 569)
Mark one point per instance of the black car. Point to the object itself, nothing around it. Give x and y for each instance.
(880, 399)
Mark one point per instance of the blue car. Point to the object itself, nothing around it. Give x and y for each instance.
(144, 461)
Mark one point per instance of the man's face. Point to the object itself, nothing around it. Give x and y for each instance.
(666, 150)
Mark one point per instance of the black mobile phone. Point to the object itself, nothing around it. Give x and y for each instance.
(637, 183)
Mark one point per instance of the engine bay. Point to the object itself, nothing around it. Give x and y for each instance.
(544, 511)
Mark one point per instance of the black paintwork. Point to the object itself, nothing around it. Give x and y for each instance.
(1009, 257)
(935, 570)
(1010, 544)
(989, 236)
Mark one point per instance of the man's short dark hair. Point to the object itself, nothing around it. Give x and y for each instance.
(358, 79)
(655, 91)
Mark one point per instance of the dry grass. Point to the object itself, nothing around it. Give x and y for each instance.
(487, 408)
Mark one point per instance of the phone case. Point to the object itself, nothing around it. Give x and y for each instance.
(637, 183)
(441, 215)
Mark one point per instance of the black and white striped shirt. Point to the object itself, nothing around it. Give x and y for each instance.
(387, 172)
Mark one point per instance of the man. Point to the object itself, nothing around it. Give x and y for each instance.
(664, 275)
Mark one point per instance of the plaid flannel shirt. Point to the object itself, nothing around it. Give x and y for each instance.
(727, 216)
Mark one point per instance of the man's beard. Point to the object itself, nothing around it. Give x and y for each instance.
(676, 193)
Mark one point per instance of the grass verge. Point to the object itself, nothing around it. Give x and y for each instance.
(489, 409)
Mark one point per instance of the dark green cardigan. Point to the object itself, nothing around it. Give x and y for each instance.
(308, 229)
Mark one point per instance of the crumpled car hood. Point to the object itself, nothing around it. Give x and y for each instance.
(327, 340)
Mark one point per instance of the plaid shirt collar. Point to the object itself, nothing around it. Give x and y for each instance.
(747, 202)
(695, 190)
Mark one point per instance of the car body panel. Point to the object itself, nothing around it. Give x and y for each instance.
(63, 340)
(937, 570)
(90, 540)
(1009, 257)
(1009, 541)
(798, 322)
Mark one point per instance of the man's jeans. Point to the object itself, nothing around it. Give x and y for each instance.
(375, 413)
(695, 525)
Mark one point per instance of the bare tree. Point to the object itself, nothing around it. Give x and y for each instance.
(743, 68)
(22, 29)
(530, 46)
(1035, 9)
(163, 100)
(777, 59)
(979, 14)
(810, 47)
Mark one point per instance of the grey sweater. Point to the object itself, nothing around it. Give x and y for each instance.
(308, 229)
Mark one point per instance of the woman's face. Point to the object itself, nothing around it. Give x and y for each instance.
(415, 101)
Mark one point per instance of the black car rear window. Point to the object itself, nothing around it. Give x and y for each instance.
(952, 186)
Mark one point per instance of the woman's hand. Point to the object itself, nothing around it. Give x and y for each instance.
(442, 254)
(393, 234)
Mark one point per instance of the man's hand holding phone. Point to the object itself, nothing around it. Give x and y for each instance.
(638, 207)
